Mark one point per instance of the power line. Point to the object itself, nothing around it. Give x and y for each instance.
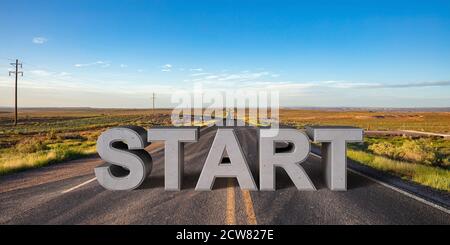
(4, 58)
(16, 74)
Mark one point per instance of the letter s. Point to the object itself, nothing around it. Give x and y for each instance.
(127, 163)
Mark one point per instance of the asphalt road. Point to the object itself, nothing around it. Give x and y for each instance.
(67, 194)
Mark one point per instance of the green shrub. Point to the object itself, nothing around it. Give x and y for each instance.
(445, 161)
(72, 136)
(421, 151)
(434, 177)
(52, 135)
(418, 151)
(386, 149)
(31, 145)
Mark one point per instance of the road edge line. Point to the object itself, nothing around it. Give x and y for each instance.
(78, 186)
(434, 205)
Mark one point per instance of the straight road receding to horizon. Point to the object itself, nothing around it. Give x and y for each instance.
(68, 193)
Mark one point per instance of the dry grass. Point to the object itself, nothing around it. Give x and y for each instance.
(19, 161)
(47, 136)
(434, 177)
(436, 122)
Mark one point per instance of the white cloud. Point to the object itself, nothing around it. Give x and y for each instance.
(243, 76)
(362, 85)
(123, 65)
(63, 85)
(40, 73)
(63, 74)
(345, 84)
(46, 73)
(231, 79)
(415, 84)
(289, 85)
(212, 77)
(39, 40)
(100, 63)
(166, 68)
(196, 69)
(198, 74)
(264, 80)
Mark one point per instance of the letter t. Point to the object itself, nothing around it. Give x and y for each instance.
(334, 151)
(174, 139)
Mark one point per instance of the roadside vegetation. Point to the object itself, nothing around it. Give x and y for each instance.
(39, 151)
(435, 177)
(47, 136)
(423, 160)
(431, 151)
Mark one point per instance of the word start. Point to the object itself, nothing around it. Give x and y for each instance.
(127, 163)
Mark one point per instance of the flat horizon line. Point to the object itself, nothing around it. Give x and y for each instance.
(441, 109)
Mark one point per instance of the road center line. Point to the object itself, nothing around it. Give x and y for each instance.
(251, 217)
(396, 189)
(78, 186)
(230, 218)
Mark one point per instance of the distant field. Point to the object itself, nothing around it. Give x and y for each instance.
(46, 136)
(435, 122)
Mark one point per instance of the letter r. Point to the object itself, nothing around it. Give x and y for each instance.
(289, 161)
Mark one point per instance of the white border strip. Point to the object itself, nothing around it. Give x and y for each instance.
(78, 186)
(434, 205)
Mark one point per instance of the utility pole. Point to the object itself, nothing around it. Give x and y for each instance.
(153, 103)
(16, 73)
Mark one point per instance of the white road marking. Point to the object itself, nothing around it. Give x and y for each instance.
(249, 210)
(443, 209)
(89, 181)
(230, 211)
(78, 186)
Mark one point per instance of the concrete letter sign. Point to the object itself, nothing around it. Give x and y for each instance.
(128, 164)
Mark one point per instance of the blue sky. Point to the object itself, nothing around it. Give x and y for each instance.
(316, 53)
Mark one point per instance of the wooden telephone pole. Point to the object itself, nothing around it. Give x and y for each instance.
(153, 103)
(16, 73)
